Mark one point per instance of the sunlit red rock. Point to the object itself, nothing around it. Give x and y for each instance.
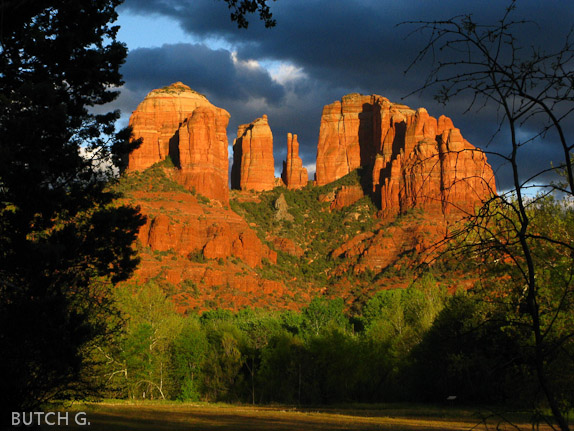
(157, 119)
(178, 122)
(288, 246)
(294, 175)
(441, 176)
(415, 160)
(203, 155)
(253, 164)
(190, 228)
(344, 125)
(346, 196)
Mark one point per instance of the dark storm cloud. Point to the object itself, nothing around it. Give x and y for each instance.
(344, 41)
(342, 46)
(211, 71)
(340, 42)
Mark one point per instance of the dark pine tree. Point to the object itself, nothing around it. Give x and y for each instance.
(63, 241)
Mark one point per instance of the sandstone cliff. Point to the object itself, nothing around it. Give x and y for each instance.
(265, 252)
(346, 136)
(178, 122)
(415, 159)
(253, 164)
(191, 228)
(203, 155)
(294, 175)
(202, 253)
(346, 196)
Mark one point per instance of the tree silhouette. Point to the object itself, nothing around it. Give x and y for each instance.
(63, 240)
(240, 8)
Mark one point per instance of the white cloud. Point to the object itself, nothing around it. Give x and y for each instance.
(101, 165)
(311, 168)
(247, 64)
(286, 72)
(280, 72)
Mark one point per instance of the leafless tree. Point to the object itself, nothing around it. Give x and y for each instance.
(525, 237)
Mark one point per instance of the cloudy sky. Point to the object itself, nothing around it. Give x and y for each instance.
(319, 51)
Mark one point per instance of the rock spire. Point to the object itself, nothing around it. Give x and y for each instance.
(253, 164)
(294, 175)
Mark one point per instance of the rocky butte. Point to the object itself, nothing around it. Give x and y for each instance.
(178, 122)
(415, 160)
(231, 249)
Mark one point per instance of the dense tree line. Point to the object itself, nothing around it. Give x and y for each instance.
(415, 344)
(318, 355)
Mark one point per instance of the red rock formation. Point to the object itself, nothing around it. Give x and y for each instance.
(203, 155)
(294, 175)
(183, 124)
(253, 165)
(288, 246)
(197, 287)
(441, 176)
(343, 125)
(188, 227)
(223, 242)
(409, 240)
(207, 255)
(415, 160)
(346, 196)
(157, 119)
(353, 247)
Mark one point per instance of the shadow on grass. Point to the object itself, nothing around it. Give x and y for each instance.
(160, 417)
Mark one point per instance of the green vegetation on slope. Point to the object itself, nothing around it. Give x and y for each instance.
(314, 228)
(155, 179)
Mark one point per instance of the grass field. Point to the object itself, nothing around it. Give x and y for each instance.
(210, 417)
